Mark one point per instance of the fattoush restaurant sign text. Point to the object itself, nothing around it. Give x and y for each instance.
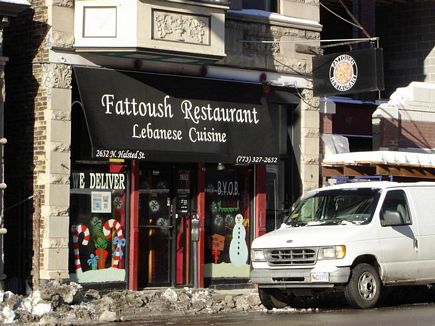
(164, 110)
(136, 116)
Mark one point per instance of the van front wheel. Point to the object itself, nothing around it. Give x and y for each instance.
(271, 298)
(364, 287)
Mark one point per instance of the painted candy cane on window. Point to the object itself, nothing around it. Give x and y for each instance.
(107, 228)
(77, 230)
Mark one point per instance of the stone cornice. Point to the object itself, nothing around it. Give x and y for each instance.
(265, 17)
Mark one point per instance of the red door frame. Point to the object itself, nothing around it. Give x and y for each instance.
(134, 225)
(200, 208)
(259, 218)
(133, 261)
(260, 200)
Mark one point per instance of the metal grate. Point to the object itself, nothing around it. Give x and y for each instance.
(294, 256)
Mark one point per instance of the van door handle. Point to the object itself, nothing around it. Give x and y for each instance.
(415, 243)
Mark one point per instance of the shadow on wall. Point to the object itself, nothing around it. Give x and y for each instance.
(406, 134)
(406, 34)
(23, 110)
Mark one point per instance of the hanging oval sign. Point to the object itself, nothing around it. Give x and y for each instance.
(343, 72)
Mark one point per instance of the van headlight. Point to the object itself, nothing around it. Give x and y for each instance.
(333, 252)
(257, 255)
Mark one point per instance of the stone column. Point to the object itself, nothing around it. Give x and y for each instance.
(310, 149)
(55, 180)
(52, 258)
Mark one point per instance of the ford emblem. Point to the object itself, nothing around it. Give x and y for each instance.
(289, 241)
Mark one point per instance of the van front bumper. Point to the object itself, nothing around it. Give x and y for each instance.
(306, 278)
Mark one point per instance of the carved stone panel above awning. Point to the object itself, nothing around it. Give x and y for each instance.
(160, 30)
(176, 27)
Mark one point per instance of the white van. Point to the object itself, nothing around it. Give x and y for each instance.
(355, 237)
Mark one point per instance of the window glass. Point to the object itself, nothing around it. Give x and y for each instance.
(267, 5)
(227, 223)
(98, 239)
(155, 224)
(335, 207)
(395, 201)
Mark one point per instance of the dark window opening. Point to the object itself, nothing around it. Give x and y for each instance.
(267, 5)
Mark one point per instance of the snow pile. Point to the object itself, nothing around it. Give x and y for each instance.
(66, 304)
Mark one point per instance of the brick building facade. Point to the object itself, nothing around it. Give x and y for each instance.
(37, 128)
(44, 48)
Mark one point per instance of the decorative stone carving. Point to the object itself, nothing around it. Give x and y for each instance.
(284, 64)
(59, 39)
(57, 75)
(61, 148)
(312, 2)
(310, 132)
(177, 27)
(55, 243)
(253, 44)
(310, 160)
(60, 115)
(312, 102)
(59, 179)
(63, 3)
(54, 211)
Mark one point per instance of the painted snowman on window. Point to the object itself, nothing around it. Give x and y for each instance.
(238, 247)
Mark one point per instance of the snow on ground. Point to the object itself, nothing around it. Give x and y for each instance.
(69, 304)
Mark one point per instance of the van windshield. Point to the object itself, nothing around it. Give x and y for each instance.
(333, 207)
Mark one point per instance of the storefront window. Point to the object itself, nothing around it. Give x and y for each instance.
(227, 222)
(98, 239)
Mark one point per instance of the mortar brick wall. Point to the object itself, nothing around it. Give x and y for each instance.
(407, 35)
(326, 123)
(325, 127)
(407, 134)
(388, 133)
(29, 155)
(417, 134)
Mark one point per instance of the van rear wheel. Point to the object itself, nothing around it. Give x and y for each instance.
(364, 287)
(270, 298)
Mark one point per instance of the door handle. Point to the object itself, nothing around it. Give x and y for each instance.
(415, 243)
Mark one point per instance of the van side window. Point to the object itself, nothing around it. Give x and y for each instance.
(395, 209)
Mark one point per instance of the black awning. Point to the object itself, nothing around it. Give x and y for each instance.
(135, 115)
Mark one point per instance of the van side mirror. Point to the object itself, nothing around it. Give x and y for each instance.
(391, 218)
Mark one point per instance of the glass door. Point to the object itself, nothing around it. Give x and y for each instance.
(165, 211)
(156, 227)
